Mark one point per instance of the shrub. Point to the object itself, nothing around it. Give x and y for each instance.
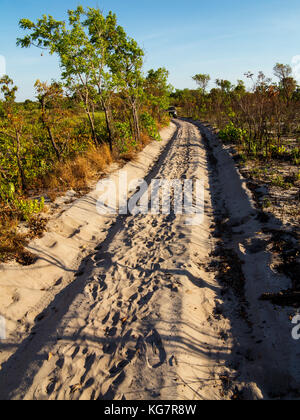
(232, 134)
(28, 208)
(267, 203)
(149, 125)
(24, 209)
(125, 140)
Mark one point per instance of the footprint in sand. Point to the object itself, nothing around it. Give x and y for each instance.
(51, 386)
(157, 347)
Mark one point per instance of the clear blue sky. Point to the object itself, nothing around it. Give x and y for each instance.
(224, 38)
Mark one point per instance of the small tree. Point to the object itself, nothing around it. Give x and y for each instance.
(101, 31)
(202, 81)
(126, 62)
(157, 91)
(83, 49)
(287, 83)
(287, 87)
(282, 71)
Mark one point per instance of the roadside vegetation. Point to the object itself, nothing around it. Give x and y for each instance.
(103, 109)
(263, 125)
(260, 128)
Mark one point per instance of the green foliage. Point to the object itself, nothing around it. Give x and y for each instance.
(28, 208)
(252, 148)
(266, 203)
(297, 161)
(278, 151)
(98, 59)
(232, 134)
(103, 97)
(157, 92)
(296, 156)
(282, 152)
(251, 118)
(24, 208)
(279, 181)
(243, 157)
(7, 192)
(224, 85)
(125, 141)
(149, 124)
(202, 81)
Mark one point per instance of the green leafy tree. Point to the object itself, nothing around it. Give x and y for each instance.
(202, 81)
(157, 92)
(224, 85)
(83, 49)
(126, 62)
(101, 31)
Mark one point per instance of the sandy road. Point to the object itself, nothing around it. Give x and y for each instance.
(146, 317)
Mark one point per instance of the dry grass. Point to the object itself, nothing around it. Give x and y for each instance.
(132, 153)
(12, 242)
(145, 140)
(76, 174)
(72, 174)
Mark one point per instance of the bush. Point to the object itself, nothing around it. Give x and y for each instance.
(24, 208)
(29, 208)
(149, 125)
(232, 134)
(125, 140)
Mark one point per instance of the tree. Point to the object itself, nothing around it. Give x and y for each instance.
(287, 83)
(157, 91)
(83, 49)
(126, 62)
(202, 81)
(282, 71)
(224, 85)
(101, 31)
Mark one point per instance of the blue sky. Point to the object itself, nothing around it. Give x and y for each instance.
(224, 38)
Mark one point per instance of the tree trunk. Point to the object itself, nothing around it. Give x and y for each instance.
(48, 128)
(58, 154)
(136, 122)
(94, 135)
(19, 163)
(108, 124)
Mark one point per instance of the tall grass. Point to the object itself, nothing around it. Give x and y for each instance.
(77, 172)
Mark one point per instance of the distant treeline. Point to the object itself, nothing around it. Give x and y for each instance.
(257, 118)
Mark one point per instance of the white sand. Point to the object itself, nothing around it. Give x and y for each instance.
(144, 318)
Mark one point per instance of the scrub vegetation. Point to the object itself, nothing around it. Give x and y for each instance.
(103, 109)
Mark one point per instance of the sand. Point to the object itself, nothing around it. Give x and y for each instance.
(73, 232)
(132, 308)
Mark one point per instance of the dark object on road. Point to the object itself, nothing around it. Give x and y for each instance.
(172, 111)
(284, 298)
